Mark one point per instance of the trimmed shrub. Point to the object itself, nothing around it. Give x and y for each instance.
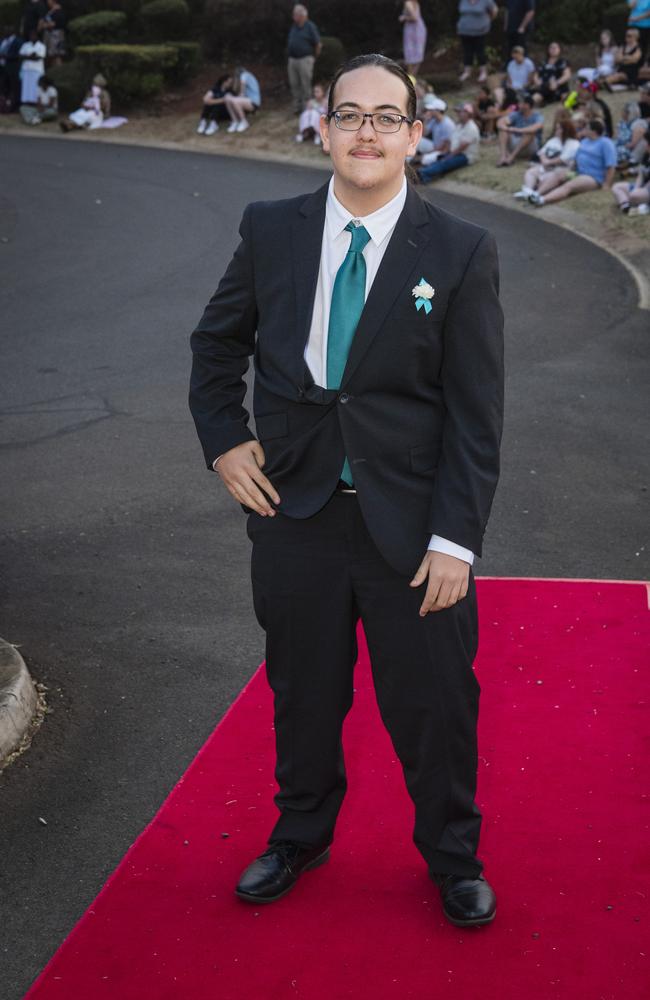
(94, 29)
(138, 72)
(188, 61)
(72, 81)
(165, 19)
(570, 20)
(11, 12)
(331, 56)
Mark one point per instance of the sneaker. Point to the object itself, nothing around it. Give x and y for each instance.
(212, 128)
(232, 127)
(536, 199)
(465, 75)
(482, 77)
(243, 125)
(202, 127)
(298, 137)
(317, 140)
(525, 192)
(640, 210)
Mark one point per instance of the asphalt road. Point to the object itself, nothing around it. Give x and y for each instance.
(124, 564)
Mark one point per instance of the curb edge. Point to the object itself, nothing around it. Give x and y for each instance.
(18, 699)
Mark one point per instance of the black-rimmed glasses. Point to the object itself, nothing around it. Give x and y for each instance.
(381, 121)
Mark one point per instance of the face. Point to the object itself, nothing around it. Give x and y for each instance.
(554, 50)
(367, 160)
(319, 93)
(518, 57)
(463, 116)
(299, 17)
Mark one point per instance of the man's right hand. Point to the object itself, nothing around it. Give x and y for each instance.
(241, 471)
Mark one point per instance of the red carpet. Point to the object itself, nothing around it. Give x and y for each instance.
(563, 667)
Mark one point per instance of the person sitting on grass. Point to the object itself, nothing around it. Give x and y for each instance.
(520, 70)
(595, 168)
(214, 106)
(46, 108)
(628, 62)
(520, 132)
(631, 141)
(557, 153)
(245, 99)
(464, 146)
(552, 77)
(492, 106)
(309, 121)
(437, 131)
(630, 195)
(96, 106)
(606, 51)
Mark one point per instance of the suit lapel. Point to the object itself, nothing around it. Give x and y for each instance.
(306, 244)
(410, 236)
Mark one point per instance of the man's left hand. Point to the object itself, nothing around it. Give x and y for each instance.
(448, 580)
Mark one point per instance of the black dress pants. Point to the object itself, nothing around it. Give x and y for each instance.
(312, 580)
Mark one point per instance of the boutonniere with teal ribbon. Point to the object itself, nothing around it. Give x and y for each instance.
(423, 292)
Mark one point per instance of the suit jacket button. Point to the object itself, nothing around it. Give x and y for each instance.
(343, 398)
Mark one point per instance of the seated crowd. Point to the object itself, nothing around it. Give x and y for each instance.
(585, 150)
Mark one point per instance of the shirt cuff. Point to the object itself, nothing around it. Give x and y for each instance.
(438, 544)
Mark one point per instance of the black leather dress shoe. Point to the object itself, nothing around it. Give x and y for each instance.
(276, 871)
(466, 902)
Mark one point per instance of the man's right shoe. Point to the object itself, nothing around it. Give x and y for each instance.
(276, 871)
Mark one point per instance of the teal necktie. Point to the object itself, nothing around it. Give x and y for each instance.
(348, 300)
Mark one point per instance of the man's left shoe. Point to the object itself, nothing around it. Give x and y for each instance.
(466, 902)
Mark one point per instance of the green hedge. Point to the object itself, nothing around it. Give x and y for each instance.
(138, 72)
(11, 12)
(71, 83)
(95, 29)
(163, 19)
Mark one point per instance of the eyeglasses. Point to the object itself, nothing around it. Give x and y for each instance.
(381, 121)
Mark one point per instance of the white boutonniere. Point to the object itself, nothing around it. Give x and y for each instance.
(423, 293)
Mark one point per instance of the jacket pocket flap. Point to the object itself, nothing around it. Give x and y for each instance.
(271, 425)
(424, 457)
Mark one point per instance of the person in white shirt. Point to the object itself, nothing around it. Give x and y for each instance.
(520, 70)
(32, 54)
(559, 151)
(438, 128)
(47, 104)
(464, 146)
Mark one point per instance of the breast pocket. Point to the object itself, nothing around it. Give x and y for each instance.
(271, 425)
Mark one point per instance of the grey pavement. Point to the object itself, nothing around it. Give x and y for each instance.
(125, 566)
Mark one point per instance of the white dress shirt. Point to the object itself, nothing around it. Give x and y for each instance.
(336, 242)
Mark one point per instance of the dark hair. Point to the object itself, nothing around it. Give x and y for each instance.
(509, 98)
(596, 125)
(382, 62)
(45, 81)
(567, 129)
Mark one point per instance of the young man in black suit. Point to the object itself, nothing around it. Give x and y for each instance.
(377, 333)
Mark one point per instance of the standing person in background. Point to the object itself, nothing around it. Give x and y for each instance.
(639, 18)
(414, 37)
(518, 22)
(303, 48)
(245, 99)
(32, 54)
(53, 27)
(474, 21)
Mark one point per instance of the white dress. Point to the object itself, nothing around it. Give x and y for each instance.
(31, 70)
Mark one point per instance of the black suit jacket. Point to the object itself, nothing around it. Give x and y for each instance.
(419, 410)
